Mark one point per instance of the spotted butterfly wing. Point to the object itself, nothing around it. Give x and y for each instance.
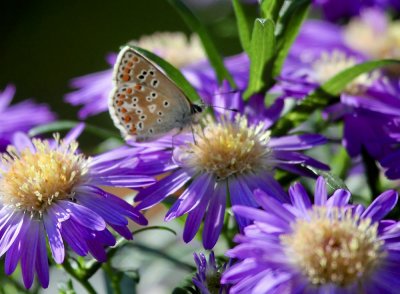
(145, 103)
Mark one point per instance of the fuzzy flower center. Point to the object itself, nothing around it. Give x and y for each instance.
(376, 42)
(330, 64)
(31, 181)
(227, 148)
(333, 247)
(175, 47)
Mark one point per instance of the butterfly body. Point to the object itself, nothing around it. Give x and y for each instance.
(144, 102)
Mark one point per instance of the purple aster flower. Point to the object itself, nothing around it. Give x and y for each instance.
(334, 11)
(208, 277)
(328, 247)
(371, 101)
(392, 160)
(229, 156)
(186, 54)
(19, 117)
(49, 190)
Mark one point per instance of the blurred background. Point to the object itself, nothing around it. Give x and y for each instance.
(44, 44)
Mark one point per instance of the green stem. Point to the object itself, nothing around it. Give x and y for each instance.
(115, 278)
(372, 172)
(79, 277)
(16, 284)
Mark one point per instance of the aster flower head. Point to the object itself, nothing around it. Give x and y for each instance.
(224, 156)
(329, 246)
(185, 53)
(374, 28)
(19, 117)
(208, 277)
(370, 101)
(49, 189)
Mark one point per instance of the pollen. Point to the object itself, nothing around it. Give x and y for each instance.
(229, 148)
(377, 42)
(175, 47)
(32, 180)
(333, 246)
(330, 64)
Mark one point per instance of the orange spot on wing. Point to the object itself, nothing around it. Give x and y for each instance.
(133, 130)
(127, 118)
(138, 87)
(129, 90)
(130, 63)
(135, 59)
(120, 102)
(123, 110)
(125, 77)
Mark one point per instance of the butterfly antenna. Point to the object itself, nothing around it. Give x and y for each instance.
(214, 106)
(227, 92)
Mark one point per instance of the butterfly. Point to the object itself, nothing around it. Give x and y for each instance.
(145, 103)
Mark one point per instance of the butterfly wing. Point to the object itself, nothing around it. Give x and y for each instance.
(145, 102)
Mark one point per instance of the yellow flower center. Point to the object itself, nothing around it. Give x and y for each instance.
(330, 64)
(175, 47)
(363, 36)
(333, 247)
(228, 148)
(31, 181)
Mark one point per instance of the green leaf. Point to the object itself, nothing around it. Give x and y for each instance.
(196, 26)
(63, 125)
(333, 181)
(288, 35)
(324, 94)
(271, 8)
(173, 73)
(262, 48)
(242, 24)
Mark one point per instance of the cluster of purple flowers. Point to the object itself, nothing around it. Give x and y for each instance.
(228, 168)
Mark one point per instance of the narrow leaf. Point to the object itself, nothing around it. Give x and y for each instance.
(173, 73)
(332, 180)
(63, 125)
(196, 26)
(242, 24)
(271, 8)
(262, 48)
(324, 94)
(288, 36)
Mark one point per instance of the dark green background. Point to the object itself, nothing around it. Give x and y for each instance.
(44, 44)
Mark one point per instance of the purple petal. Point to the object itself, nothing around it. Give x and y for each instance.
(191, 197)
(195, 217)
(339, 198)
(54, 236)
(10, 231)
(381, 206)
(42, 264)
(29, 252)
(214, 218)
(84, 216)
(273, 206)
(300, 198)
(157, 192)
(75, 236)
(296, 142)
(321, 195)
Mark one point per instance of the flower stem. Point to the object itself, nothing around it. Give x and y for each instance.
(113, 277)
(79, 277)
